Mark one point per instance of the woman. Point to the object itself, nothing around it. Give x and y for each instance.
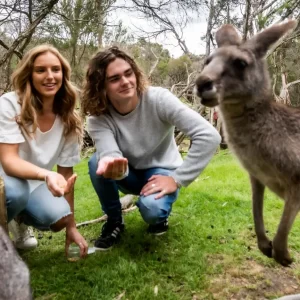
(132, 125)
(39, 128)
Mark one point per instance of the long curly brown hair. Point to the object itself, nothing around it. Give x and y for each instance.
(94, 100)
(64, 101)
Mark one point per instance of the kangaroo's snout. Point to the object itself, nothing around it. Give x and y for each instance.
(206, 90)
(204, 84)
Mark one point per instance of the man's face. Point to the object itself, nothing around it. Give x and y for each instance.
(120, 82)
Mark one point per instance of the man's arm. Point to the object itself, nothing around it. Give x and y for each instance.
(205, 138)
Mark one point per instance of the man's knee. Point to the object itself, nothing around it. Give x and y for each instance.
(152, 211)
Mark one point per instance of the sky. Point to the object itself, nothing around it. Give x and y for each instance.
(192, 33)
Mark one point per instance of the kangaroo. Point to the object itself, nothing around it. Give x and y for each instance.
(14, 274)
(263, 134)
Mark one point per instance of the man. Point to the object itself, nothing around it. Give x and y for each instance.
(133, 129)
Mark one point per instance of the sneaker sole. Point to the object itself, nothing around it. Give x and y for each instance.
(103, 249)
(160, 233)
(25, 248)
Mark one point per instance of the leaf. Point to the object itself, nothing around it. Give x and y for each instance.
(156, 290)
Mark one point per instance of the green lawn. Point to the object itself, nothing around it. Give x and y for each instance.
(208, 252)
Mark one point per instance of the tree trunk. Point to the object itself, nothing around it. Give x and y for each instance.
(209, 26)
(284, 92)
(100, 12)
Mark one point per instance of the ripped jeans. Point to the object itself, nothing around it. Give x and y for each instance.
(39, 208)
(152, 211)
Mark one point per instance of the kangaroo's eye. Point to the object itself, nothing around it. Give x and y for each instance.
(240, 64)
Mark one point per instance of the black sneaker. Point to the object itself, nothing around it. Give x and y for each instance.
(159, 229)
(110, 235)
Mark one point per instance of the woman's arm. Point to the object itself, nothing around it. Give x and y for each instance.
(67, 173)
(72, 234)
(13, 165)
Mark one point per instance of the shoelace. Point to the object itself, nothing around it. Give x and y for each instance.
(25, 232)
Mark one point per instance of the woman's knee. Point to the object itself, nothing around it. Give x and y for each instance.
(55, 218)
(17, 193)
(60, 224)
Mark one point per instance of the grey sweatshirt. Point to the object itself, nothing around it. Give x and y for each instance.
(145, 136)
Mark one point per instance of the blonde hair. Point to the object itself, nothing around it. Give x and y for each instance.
(94, 100)
(64, 101)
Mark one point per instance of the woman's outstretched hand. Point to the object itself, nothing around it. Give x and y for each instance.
(58, 185)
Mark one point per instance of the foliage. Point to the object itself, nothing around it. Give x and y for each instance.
(284, 62)
(79, 28)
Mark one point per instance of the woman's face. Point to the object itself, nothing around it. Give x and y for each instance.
(47, 75)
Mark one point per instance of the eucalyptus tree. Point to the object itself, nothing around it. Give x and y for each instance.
(77, 28)
(164, 18)
(18, 22)
(249, 16)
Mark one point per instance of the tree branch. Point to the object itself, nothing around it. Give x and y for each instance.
(7, 48)
(29, 31)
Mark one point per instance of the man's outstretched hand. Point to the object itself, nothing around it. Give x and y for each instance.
(112, 167)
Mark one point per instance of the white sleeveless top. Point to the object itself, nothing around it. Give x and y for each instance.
(45, 149)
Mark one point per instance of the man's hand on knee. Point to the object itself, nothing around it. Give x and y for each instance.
(160, 184)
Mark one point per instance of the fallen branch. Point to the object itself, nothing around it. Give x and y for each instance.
(104, 217)
(126, 201)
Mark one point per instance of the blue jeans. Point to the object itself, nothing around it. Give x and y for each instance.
(152, 211)
(39, 208)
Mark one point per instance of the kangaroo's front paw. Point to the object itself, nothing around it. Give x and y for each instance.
(265, 247)
(282, 257)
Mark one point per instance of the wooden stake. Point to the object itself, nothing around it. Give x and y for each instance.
(3, 212)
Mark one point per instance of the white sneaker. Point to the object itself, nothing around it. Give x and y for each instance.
(23, 236)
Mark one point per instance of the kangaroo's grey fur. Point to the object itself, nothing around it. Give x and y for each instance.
(14, 274)
(263, 134)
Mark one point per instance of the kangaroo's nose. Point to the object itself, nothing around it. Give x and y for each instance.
(203, 84)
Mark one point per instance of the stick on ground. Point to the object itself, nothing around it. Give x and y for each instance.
(127, 206)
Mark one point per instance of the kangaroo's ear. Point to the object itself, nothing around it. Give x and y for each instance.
(227, 35)
(261, 42)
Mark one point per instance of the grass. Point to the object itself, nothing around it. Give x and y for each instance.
(209, 252)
